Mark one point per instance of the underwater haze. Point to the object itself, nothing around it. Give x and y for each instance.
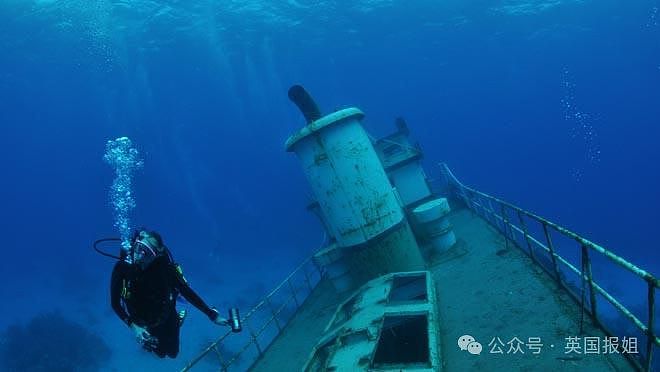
(552, 105)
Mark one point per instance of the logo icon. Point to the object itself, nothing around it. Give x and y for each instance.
(467, 342)
(464, 341)
(474, 348)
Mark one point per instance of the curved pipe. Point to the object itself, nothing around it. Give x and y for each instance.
(305, 102)
(105, 253)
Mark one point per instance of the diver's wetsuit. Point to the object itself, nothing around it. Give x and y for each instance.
(148, 298)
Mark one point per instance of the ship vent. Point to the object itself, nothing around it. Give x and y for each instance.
(404, 340)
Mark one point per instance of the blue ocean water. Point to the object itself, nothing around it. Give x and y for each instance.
(552, 105)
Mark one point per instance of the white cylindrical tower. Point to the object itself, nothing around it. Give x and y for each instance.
(346, 177)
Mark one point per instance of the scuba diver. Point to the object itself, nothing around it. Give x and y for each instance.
(143, 291)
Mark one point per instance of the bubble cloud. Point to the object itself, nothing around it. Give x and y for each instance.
(125, 160)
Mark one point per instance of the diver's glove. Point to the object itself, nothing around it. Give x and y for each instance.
(143, 336)
(218, 319)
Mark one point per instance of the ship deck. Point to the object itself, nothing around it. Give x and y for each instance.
(493, 293)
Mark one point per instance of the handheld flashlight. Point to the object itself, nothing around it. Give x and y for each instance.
(235, 320)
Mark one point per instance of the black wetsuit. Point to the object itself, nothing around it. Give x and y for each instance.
(148, 298)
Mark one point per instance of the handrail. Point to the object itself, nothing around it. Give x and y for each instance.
(286, 284)
(622, 262)
(468, 194)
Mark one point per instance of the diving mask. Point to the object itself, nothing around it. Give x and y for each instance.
(144, 249)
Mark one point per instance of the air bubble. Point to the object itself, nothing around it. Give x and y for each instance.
(124, 159)
(581, 128)
(653, 17)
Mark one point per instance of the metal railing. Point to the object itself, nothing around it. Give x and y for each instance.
(299, 281)
(483, 205)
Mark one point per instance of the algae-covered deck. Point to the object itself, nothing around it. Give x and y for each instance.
(510, 306)
(486, 288)
(290, 350)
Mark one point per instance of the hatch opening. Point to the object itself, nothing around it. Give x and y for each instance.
(403, 340)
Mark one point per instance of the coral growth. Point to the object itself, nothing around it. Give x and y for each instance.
(50, 342)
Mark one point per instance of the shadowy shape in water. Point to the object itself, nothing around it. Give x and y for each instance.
(50, 342)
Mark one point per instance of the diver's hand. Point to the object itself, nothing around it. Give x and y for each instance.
(221, 321)
(218, 319)
(141, 334)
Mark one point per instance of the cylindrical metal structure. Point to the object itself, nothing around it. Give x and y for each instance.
(432, 216)
(346, 177)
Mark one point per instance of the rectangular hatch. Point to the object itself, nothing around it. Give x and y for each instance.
(403, 341)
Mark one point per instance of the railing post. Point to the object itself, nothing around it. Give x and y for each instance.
(524, 229)
(222, 360)
(505, 223)
(474, 202)
(318, 268)
(466, 199)
(481, 204)
(492, 211)
(592, 291)
(253, 335)
(309, 284)
(293, 292)
(650, 343)
(272, 312)
(548, 241)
